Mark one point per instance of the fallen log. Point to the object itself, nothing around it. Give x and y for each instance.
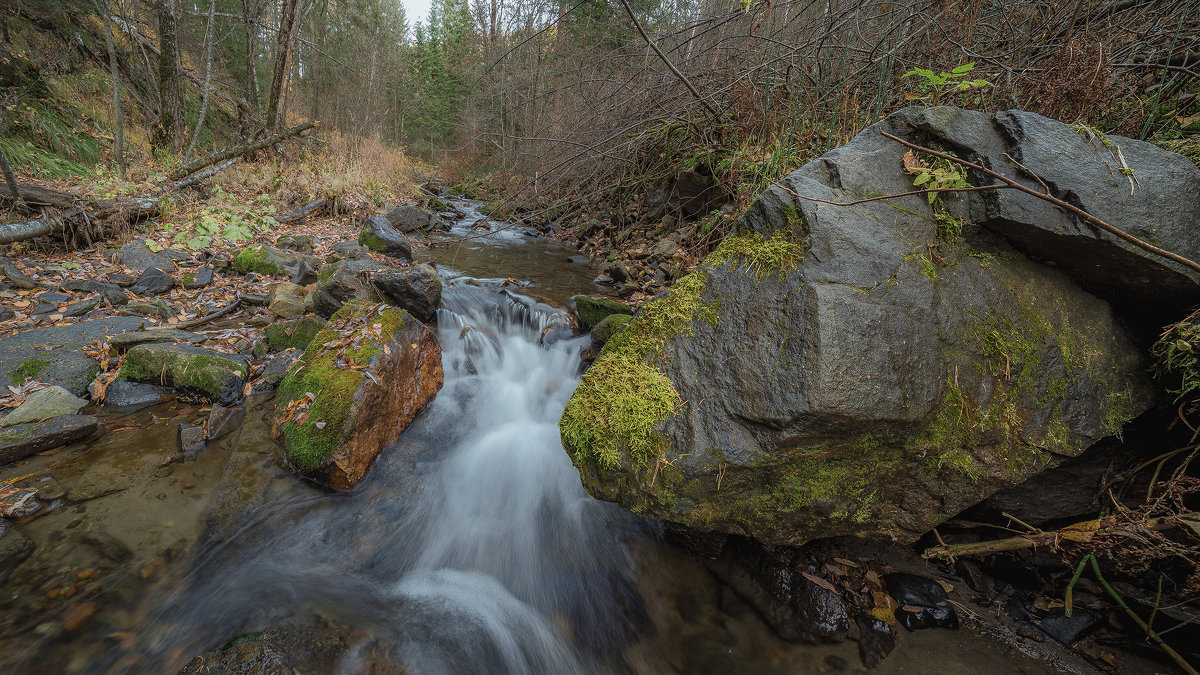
(198, 176)
(240, 150)
(38, 196)
(14, 232)
(302, 212)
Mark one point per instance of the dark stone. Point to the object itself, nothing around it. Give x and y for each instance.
(107, 546)
(131, 338)
(875, 640)
(411, 218)
(275, 369)
(305, 274)
(379, 236)
(295, 242)
(857, 386)
(16, 276)
(153, 282)
(923, 602)
(224, 420)
(121, 279)
(1012, 568)
(191, 438)
(415, 289)
(24, 355)
(200, 278)
(22, 440)
(1070, 629)
(136, 255)
(579, 260)
(342, 282)
(707, 544)
(6, 313)
(78, 309)
(135, 395)
(89, 286)
(348, 250)
(14, 549)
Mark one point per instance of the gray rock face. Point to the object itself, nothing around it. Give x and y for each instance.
(411, 218)
(378, 235)
(44, 403)
(55, 354)
(134, 395)
(843, 371)
(136, 255)
(416, 289)
(1157, 203)
(340, 283)
(20, 441)
(152, 282)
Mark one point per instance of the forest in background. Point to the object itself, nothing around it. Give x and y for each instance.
(570, 106)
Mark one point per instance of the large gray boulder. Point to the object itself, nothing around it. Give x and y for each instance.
(54, 354)
(411, 218)
(836, 370)
(378, 235)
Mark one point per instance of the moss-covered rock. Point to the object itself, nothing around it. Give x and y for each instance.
(379, 236)
(603, 331)
(592, 311)
(295, 334)
(189, 368)
(810, 379)
(268, 261)
(361, 382)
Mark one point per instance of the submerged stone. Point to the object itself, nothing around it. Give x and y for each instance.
(360, 383)
(44, 403)
(22, 440)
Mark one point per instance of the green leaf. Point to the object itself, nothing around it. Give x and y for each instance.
(921, 180)
(153, 245)
(71, 266)
(932, 197)
(964, 68)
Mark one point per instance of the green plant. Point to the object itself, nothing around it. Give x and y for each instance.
(933, 86)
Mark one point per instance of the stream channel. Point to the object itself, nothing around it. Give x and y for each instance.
(470, 548)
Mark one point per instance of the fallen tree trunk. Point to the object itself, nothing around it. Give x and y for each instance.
(14, 232)
(302, 212)
(198, 176)
(36, 196)
(240, 150)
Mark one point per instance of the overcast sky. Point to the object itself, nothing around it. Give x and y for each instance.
(416, 10)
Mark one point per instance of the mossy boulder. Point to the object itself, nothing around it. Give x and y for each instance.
(295, 334)
(415, 289)
(608, 327)
(591, 311)
(342, 282)
(411, 218)
(833, 371)
(362, 380)
(268, 261)
(379, 236)
(194, 370)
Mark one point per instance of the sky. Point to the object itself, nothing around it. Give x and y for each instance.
(416, 10)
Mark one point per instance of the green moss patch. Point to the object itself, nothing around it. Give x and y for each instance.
(592, 311)
(295, 334)
(29, 370)
(778, 253)
(255, 259)
(372, 241)
(196, 369)
(315, 401)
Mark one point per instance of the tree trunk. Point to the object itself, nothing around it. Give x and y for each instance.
(118, 117)
(208, 62)
(11, 181)
(250, 17)
(289, 23)
(169, 109)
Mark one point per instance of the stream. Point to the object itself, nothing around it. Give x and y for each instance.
(471, 546)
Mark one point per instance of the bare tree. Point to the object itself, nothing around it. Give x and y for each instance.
(290, 16)
(170, 116)
(207, 88)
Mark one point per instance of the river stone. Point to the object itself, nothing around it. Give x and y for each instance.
(415, 289)
(333, 421)
(44, 403)
(340, 283)
(348, 250)
(136, 255)
(212, 374)
(129, 339)
(286, 306)
(410, 218)
(190, 438)
(199, 278)
(300, 243)
(835, 377)
(295, 334)
(22, 440)
(268, 261)
(25, 355)
(16, 276)
(608, 327)
(152, 282)
(379, 236)
(1157, 203)
(132, 395)
(591, 311)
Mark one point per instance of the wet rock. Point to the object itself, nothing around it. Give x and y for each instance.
(78, 309)
(558, 326)
(268, 261)
(153, 282)
(107, 546)
(410, 218)
(286, 306)
(1013, 569)
(591, 311)
(133, 395)
(1071, 629)
(923, 602)
(348, 250)
(16, 276)
(44, 403)
(131, 338)
(627, 289)
(340, 283)
(603, 280)
(849, 388)
(379, 236)
(246, 655)
(415, 289)
(335, 434)
(22, 440)
(579, 260)
(295, 242)
(875, 640)
(191, 438)
(608, 327)
(193, 369)
(224, 420)
(23, 356)
(136, 255)
(294, 334)
(201, 278)
(275, 369)
(14, 549)
(707, 544)
(6, 313)
(121, 279)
